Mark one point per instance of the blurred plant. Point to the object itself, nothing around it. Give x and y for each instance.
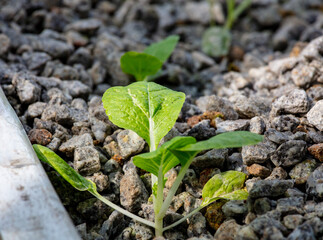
(216, 40)
(144, 66)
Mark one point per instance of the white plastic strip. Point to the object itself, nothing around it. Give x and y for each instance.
(29, 205)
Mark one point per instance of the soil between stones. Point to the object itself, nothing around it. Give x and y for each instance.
(58, 57)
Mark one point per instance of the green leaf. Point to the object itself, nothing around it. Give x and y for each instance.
(163, 49)
(166, 156)
(225, 140)
(66, 171)
(226, 185)
(216, 41)
(181, 149)
(79, 182)
(146, 108)
(140, 65)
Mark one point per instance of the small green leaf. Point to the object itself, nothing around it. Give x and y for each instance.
(65, 170)
(226, 140)
(163, 49)
(140, 65)
(226, 185)
(166, 156)
(216, 41)
(148, 109)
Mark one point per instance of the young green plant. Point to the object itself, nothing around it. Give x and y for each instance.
(146, 66)
(216, 40)
(151, 111)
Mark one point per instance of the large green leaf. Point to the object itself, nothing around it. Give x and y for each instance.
(79, 182)
(140, 65)
(225, 140)
(148, 109)
(163, 49)
(182, 149)
(216, 41)
(166, 156)
(226, 185)
(65, 170)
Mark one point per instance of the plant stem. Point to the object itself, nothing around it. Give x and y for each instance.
(159, 203)
(183, 218)
(174, 188)
(123, 211)
(153, 177)
(212, 17)
(151, 149)
(230, 11)
(242, 6)
(233, 14)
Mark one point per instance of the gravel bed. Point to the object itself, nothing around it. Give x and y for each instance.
(57, 57)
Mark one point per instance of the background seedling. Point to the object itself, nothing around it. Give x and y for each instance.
(216, 40)
(144, 66)
(151, 110)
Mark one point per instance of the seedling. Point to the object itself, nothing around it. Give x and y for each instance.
(144, 66)
(216, 40)
(151, 110)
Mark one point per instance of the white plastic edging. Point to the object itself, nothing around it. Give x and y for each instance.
(29, 205)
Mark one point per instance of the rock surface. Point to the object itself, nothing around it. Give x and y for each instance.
(315, 115)
(132, 191)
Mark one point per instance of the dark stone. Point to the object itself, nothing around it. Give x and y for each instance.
(277, 136)
(113, 226)
(289, 153)
(314, 185)
(260, 224)
(259, 153)
(304, 232)
(270, 188)
(263, 205)
(202, 130)
(93, 209)
(81, 56)
(285, 123)
(55, 48)
(292, 205)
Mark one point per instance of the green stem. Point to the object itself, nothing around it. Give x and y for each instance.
(153, 177)
(242, 6)
(159, 203)
(174, 188)
(121, 210)
(233, 14)
(230, 11)
(212, 17)
(183, 218)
